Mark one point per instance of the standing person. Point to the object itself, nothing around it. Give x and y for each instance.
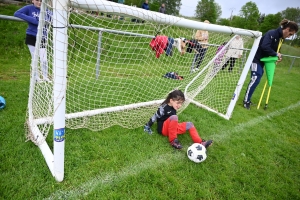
(201, 48)
(145, 5)
(268, 46)
(30, 14)
(162, 9)
(219, 59)
(234, 52)
(108, 15)
(121, 2)
(167, 121)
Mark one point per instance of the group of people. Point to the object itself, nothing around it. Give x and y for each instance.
(233, 52)
(167, 120)
(165, 116)
(268, 46)
(162, 8)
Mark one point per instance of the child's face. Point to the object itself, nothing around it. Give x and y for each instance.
(175, 104)
(37, 3)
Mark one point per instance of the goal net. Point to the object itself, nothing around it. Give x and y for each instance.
(111, 64)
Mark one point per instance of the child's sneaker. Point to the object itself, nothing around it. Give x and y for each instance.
(176, 144)
(147, 129)
(206, 143)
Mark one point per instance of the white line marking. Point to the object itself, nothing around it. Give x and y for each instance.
(107, 179)
(253, 122)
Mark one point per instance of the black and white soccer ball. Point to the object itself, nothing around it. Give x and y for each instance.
(196, 153)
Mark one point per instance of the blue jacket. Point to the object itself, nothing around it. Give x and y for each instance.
(268, 45)
(145, 6)
(30, 14)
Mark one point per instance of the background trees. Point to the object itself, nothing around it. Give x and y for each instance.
(172, 6)
(249, 16)
(208, 10)
(270, 22)
(292, 14)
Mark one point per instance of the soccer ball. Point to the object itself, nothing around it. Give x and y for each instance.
(196, 153)
(2, 102)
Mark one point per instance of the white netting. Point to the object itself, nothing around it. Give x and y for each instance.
(111, 66)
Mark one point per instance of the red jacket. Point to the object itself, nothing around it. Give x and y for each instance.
(159, 44)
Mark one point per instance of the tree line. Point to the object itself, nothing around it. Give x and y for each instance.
(249, 16)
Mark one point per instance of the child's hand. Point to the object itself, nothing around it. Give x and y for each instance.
(147, 129)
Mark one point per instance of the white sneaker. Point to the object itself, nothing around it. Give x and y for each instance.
(46, 79)
(195, 69)
(38, 80)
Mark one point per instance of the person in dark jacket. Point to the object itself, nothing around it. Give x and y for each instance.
(268, 46)
(162, 9)
(145, 5)
(167, 121)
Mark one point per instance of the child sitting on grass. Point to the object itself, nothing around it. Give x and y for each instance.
(167, 121)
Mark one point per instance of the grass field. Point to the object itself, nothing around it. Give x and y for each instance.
(256, 154)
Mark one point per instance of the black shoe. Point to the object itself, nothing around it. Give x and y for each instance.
(247, 104)
(251, 103)
(176, 144)
(207, 143)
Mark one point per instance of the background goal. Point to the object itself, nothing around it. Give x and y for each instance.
(102, 70)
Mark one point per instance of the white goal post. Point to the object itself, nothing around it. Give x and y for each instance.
(112, 64)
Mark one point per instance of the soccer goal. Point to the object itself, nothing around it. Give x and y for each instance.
(111, 64)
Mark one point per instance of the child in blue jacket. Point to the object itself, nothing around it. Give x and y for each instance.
(30, 14)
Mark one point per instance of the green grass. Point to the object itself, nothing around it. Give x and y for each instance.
(255, 154)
